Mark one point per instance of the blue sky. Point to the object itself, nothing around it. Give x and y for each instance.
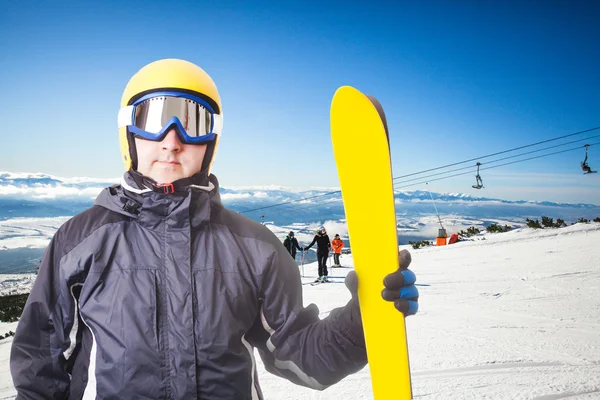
(458, 80)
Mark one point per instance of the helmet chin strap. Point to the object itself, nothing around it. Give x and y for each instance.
(208, 155)
(132, 150)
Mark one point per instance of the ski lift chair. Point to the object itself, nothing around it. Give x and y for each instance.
(584, 165)
(479, 184)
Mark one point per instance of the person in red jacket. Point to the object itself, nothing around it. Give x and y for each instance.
(337, 245)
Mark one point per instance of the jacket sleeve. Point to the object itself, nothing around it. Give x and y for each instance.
(297, 246)
(311, 243)
(295, 343)
(41, 347)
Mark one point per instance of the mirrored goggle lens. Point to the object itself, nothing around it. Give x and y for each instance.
(152, 115)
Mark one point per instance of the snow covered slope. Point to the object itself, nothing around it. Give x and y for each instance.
(506, 316)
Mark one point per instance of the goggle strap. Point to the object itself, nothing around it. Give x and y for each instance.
(125, 117)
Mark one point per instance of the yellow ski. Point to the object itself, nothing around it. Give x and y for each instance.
(361, 150)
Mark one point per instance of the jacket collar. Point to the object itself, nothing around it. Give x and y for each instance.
(192, 204)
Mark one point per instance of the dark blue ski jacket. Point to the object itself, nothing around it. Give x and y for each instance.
(165, 296)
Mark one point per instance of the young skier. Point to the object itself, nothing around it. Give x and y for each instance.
(159, 292)
(323, 248)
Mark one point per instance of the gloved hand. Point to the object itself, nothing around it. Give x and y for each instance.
(398, 286)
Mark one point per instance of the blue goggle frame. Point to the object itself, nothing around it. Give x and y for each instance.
(127, 117)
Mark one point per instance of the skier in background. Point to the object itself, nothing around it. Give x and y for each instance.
(323, 248)
(337, 245)
(291, 244)
(159, 292)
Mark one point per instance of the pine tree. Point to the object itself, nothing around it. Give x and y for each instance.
(535, 224)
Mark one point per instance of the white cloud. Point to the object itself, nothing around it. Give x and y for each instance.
(336, 227)
(49, 192)
(235, 196)
(82, 179)
(246, 195)
(284, 188)
(73, 180)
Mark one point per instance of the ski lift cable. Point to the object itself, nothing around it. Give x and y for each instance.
(294, 202)
(495, 166)
(494, 161)
(497, 153)
(290, 202)
(299, 206)
(543, 155)
(432, 180)
(437, 168)
(500, 159)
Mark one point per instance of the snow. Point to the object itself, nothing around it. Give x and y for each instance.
(505, 316)
(28, 232)
(15, 284)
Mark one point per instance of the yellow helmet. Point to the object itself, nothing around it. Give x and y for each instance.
(169, 74)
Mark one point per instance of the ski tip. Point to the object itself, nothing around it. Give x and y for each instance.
(342, 90)
(345, 92)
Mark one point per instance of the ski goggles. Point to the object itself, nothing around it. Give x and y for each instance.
(153, 115)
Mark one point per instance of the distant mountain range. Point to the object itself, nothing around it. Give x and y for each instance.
(42, 195)
(31, 207)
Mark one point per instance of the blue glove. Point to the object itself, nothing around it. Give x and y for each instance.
(399, 286)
